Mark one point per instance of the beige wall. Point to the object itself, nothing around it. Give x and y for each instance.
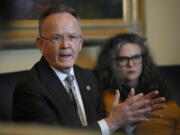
(162, 30)
(16, 60)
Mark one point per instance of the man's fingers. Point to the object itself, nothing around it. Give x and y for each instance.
(140, 104)
(134, 99)
(151, 94)
(131, 93)
(140, 119)
(116, 98)
(158, 100)
(158, 107)
(141, 112)
(153, 115)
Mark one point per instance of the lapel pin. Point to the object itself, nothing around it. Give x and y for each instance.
(88, 88)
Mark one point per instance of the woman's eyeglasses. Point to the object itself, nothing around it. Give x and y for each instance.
(124, 60)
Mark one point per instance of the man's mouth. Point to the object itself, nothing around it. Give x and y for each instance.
(65, 56)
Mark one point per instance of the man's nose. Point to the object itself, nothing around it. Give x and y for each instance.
(64, 42)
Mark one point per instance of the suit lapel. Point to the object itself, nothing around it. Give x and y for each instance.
(86, 97)
(58, 92)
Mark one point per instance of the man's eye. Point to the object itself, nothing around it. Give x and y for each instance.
(56, 37)
(72, 37)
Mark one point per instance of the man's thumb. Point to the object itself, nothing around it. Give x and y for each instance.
(116, 98)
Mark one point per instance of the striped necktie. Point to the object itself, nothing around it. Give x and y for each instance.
(72, 93)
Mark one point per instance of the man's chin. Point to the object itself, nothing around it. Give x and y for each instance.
(65, 65)
(63, 68)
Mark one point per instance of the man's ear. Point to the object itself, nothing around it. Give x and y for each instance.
(39, 44)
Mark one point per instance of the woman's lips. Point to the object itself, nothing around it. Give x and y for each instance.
(131, 71)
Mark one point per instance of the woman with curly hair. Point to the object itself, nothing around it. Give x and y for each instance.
(124, 63)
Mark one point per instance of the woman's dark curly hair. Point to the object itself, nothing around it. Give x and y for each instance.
(109, 74)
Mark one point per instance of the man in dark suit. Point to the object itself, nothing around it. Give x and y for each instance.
(45, 95)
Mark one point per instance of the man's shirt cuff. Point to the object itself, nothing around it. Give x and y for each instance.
(104, 127)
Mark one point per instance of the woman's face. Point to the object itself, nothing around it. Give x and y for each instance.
(129, 60)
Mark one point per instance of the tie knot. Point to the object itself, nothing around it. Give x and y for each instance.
(70, 78)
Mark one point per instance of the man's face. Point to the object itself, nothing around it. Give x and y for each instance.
(130, 61)
(60, 41)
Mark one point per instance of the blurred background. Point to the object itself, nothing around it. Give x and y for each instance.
(158, 21)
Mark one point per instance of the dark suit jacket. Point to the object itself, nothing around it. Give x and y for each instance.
(41, 97)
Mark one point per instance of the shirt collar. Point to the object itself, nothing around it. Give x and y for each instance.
(62, 76)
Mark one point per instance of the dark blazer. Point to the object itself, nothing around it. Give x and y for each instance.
(41, 97)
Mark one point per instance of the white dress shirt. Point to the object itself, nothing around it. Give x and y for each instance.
(62, 76)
